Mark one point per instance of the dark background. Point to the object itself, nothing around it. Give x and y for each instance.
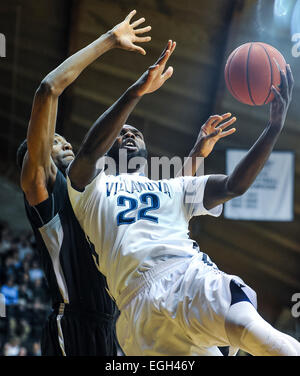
(41, 34)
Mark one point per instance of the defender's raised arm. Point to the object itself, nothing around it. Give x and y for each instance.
(38, 170)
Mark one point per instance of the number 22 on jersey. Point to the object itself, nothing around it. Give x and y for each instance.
(125, 217)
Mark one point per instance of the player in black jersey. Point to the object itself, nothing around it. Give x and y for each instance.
(83, 317)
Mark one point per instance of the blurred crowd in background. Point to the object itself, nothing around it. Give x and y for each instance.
(27, 297)
(24, 287)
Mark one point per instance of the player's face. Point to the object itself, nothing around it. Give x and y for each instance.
(131, 140)
(62, 152)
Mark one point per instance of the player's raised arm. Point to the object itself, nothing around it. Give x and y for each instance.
(221, 188)
(103, 133)
(38, 171)
(210, 133)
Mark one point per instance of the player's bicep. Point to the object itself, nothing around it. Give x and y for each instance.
(216, 191)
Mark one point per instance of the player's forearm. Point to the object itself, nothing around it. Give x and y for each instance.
(103, 133)
(43, 119)
(250, 166)
(221, 188)
(70, 69)
(41, 128)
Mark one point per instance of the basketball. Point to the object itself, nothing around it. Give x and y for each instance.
(250, 72)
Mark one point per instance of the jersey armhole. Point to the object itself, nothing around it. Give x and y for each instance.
(73, 186)
(43, 212)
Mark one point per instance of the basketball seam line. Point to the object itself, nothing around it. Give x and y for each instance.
(248, 84)
(271, 67)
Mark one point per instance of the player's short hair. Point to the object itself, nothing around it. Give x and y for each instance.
(22, 149)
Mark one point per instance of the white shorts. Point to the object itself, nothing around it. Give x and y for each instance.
(180, 311)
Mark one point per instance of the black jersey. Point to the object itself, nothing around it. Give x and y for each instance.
(66, 257)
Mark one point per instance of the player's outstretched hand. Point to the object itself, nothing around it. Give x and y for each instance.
(156, 75)
(211, 132)
(282, 99)
(126, 34)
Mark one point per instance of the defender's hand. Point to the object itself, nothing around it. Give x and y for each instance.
(211, 132)
(282, 99)
(155, 76)
(126, 35)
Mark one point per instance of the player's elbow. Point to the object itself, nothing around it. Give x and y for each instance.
(47, 88)
(235, 190)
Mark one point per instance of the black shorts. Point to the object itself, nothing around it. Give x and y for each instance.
(78, 333)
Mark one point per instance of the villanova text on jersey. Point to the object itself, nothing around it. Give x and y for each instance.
(133, 186)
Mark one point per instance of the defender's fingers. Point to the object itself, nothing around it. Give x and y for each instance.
(153, 69)
(212, 120)
(290, 79)
(220, 118)
(130, 15)
(138, 22)
(168, 73)
(277, 95)
(226, 115)
(138, 49)
(142, 39)
(173, 46)
(227, 123)
(168, 46)
(227, 133)
(284, 86)
(162, 61)
(276, 62)
(283, 82)
(142, 30)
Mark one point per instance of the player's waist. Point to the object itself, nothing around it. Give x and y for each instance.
(80, 311)
(146, 279)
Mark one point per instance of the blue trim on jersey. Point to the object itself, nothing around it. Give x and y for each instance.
(206, 259)
(237, 294)
(224, 350)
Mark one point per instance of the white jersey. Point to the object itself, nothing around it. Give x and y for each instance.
(135, 223)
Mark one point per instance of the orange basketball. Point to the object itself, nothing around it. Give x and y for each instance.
(250, 72)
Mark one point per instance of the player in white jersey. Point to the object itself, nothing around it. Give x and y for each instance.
(173, 299)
